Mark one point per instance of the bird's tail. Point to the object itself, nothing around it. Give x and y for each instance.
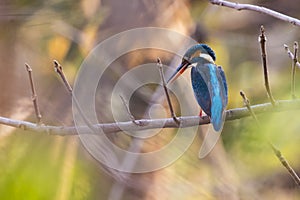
(211, 139)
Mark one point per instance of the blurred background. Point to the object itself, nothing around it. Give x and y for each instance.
(241, 166)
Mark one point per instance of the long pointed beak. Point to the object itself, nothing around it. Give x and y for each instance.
(183, 66)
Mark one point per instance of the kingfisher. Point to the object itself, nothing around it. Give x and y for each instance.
(208, 82)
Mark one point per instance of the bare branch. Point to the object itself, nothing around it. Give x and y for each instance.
(262, 40)
(295, 60)
(128, 111)
(260, 9)
(58, 69)
(187, 121)
(275, 150)
(296, 51)
(295, 63)
(34, 95)
(291, 55)
(159, 64)
(285, 163)
(248, 105)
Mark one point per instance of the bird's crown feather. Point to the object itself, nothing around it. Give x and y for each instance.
(200, 48)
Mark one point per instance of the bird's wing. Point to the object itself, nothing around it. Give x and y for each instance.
(214, 79)
(222, 74)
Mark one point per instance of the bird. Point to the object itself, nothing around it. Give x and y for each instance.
(209, 85)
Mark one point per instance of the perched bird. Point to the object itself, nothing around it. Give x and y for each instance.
(209, 85)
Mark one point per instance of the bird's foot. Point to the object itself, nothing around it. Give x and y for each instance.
(200, 113)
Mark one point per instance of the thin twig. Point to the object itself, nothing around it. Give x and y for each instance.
(291, 55)
(58, 69)
(34, 95)
(285, 163)
(128, 112)
(262, 40)
(295, 63)
(260, 9)
(295, 60)
(276, 151)
(159, 64)
(248, 105)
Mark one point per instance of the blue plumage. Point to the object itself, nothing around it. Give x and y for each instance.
(208, 82)
(203, 97)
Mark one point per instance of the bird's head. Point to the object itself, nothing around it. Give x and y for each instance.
(192, 56)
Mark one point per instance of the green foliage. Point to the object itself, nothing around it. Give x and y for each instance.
(35, 167)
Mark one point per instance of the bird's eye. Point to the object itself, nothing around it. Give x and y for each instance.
(185, 60)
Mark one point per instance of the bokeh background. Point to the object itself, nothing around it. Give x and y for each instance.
(242, 166)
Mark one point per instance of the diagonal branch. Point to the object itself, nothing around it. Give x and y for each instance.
(260, 9)
(248, 105)
(59, 70)
(276, 151)
(187, 121)
(291, 55)
(128, 111)
(285, 163)
(159, 64)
